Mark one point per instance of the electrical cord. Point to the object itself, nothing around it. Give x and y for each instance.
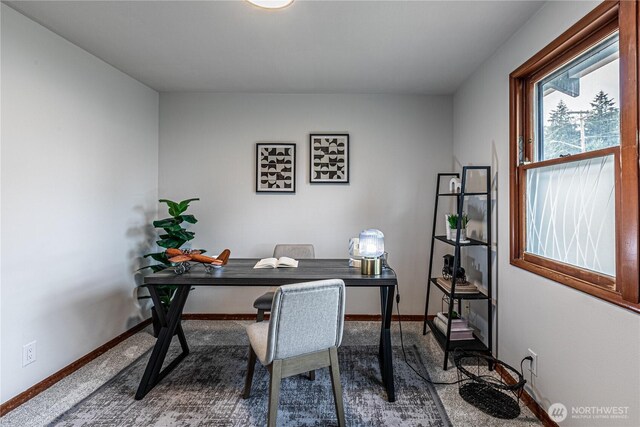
(529, 358)
(404, 353)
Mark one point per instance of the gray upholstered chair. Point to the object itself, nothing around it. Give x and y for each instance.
(296, 251)
(294, 341)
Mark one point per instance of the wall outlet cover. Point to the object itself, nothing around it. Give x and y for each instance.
(28, 353)
(533, 365)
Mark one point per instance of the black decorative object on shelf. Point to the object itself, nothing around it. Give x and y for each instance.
(453, 263)
(485, 391)
(447, 269)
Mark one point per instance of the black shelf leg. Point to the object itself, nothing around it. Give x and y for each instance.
(433, 233)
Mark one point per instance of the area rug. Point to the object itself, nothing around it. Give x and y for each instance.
(205, 390)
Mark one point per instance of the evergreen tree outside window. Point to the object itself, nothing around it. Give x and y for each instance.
(602, 125)
(561, 134)
(577, 103)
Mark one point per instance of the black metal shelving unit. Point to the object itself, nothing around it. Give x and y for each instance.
(474, 344)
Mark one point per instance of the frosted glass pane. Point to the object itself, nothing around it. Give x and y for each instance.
(571, 213)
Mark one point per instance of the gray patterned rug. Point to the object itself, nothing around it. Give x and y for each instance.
(204, 390)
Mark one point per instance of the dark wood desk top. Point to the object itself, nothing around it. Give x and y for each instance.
(240, 272)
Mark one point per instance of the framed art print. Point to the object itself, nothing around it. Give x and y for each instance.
(275, 167)
(329, 158)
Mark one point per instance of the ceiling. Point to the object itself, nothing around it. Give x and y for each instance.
(423, 47)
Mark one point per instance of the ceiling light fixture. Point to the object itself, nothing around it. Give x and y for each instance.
(271, 4)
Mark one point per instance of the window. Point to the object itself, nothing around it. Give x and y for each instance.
(574, 157)
(577, 106)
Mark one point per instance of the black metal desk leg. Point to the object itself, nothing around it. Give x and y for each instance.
(383, 307)
(170, 325)
(387, 355)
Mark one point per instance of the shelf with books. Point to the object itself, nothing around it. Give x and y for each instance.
(460, 329)
(474, 344)
(459, 295)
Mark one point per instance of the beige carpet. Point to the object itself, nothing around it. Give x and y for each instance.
(49, 405)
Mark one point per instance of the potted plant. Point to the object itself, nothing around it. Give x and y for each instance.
(453, 221)
(173, 235)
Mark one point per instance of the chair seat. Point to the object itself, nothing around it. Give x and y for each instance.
(258, 334)
(264, 301)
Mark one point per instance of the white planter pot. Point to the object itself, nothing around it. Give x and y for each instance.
(446, 226)
(452, 234)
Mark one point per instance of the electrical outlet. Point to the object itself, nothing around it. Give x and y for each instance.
(533, 365)
(28, 353)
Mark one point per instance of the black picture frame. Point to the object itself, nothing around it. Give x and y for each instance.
(275, 167)
(329, 158)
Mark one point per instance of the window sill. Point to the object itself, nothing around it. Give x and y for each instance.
(581, 285)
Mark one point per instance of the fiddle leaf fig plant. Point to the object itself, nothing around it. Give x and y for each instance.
(173, 235)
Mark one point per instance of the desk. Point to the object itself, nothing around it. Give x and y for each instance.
(240, 272)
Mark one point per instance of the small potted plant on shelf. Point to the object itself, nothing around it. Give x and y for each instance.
(453, 220)
(173, 236)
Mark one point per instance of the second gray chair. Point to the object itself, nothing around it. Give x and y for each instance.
(294, 341)
(296, 251)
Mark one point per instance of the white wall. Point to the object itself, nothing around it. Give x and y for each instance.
(79, 181)
(398, 144)
(588, 350)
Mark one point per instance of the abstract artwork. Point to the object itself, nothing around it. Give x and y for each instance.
(275, 167)
(329, 158)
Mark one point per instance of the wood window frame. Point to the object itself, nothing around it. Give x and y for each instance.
(606, 18)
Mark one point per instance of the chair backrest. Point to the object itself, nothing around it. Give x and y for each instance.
(306, 317)
(296, 251)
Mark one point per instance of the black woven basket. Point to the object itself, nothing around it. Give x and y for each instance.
(486, 390)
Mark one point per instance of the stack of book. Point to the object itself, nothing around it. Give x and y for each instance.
(461, 287)
(460, 329)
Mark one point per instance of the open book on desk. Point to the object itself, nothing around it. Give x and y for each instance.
(283, 261)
